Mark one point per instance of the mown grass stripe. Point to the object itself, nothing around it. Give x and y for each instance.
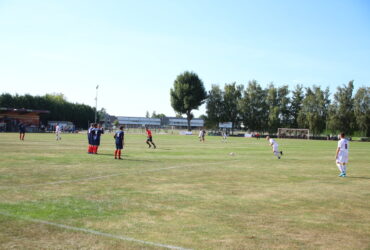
(91, 231)
(102, 176)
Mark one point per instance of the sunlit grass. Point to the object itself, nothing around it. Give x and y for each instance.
(184, 193)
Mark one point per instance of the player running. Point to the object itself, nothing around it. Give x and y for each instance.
(341, 156)
(275, 147)
(119, 137)
(149, 138)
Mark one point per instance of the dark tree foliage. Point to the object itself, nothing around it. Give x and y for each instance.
(273, 109)
(188, 93)
(60, 109)
(253, 107)
(314, 110)
(284, 103)
(215, 106)
(362, 110)
(342, 117)
(296, 105)
(268, 109)
(232, 96)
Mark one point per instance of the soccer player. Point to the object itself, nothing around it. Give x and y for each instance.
(224, 135)
(58, 130)
(258, 136)
(22, 131)
(97, 131)
(89, 139)
(275, 147)
(202, 134)
(119, 137)
(149, 138)
(341, 156)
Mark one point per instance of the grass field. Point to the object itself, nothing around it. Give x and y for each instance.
(185, 194)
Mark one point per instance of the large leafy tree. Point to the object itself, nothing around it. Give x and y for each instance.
(215, 106)
(273, 108)
(60, 109)
(296, 105)
(188, 93)
(253, 107)
(232, 96)
(284, 102)
(314, 110)
(341, 116)
(362, 110)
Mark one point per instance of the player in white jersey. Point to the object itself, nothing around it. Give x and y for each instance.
(341, 156)
(202, 134)
(224, 135)
(275, 147)
(58, 130)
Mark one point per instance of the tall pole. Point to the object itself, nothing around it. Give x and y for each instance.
(96, 103)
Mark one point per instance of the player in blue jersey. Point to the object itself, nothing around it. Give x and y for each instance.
(119, 138)
(22, 131)
(96, 132)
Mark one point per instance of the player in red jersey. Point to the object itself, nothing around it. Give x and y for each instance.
(149, 138)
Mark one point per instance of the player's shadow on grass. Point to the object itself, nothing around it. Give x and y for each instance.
(126, 157)
(359, 177)
(138, 160)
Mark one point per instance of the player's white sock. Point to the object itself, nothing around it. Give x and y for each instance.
(340, 167)
(344, 167)
(276, 154)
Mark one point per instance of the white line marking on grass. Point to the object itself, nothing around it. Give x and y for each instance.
(90, 231)
(103, 176)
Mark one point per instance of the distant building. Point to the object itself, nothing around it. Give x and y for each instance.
(137, 122)
(11, 118)
(183, 123)
(65, 126)
(165, 122)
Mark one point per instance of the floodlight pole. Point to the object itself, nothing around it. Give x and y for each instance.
(96, 103)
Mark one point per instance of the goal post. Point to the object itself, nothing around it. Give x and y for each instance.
(299, 133)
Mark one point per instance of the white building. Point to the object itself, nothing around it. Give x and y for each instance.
(135, 122)
(182, 122)
(174, 122)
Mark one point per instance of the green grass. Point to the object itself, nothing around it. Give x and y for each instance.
(185, 193)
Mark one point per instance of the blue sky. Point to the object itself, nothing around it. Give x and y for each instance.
(135, 49)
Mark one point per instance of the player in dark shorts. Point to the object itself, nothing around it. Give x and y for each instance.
(119, 137)
(22, 131)
(149, 138)
(96, 132)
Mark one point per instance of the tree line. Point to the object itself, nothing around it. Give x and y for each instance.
(259, 109)
(267, 109)
(60, 109)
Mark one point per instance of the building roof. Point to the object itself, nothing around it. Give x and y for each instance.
(23, 111)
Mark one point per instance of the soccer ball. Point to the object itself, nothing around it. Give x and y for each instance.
(232, 154)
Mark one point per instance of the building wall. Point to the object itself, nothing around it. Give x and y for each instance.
(9, 121)
(137, 122)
